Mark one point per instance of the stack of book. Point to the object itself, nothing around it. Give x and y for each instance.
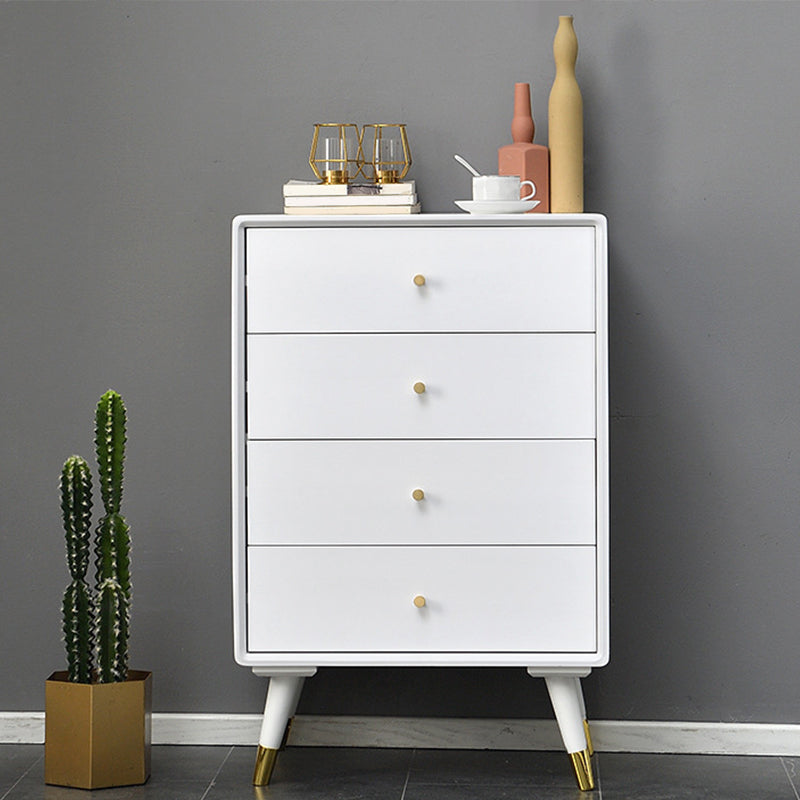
(309, 197)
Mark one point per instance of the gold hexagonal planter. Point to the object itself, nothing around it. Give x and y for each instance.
(97, 734)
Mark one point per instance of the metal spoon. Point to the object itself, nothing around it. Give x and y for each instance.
(465, 163)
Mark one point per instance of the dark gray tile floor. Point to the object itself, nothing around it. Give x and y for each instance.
(224, 773)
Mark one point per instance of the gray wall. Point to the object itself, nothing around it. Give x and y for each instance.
(131, 133)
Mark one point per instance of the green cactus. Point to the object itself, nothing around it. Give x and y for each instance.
(112, 544)
(77, 607)
(109, 443)
(112, 548)
(96, 625)
(112, 632)
(113, 598)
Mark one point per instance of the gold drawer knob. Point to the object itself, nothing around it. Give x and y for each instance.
(419, 280)
(419, 387)
(419, 601)
(418, 494)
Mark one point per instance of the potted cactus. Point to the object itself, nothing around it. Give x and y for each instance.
(97, 711)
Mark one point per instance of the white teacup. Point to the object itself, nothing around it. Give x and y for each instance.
(500, 187)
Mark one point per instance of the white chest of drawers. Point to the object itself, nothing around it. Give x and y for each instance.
(420, 451)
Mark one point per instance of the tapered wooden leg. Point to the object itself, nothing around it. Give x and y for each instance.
(283, 694)
(567, 699)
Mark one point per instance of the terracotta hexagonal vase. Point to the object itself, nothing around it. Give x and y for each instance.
(97, 734)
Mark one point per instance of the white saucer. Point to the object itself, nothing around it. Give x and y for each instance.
(497, 206)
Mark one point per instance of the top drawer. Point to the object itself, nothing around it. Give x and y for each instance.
(476, 279)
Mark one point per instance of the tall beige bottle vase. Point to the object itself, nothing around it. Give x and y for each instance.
(565, 120)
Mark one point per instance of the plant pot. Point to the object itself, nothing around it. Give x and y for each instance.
(97, 734)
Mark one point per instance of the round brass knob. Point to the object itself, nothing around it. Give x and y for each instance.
(419, 601)
(419, 387)
(419, 280)
(418, 494)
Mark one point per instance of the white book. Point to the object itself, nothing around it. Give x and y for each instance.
(342, 210)
(314, 188)
(354, 200)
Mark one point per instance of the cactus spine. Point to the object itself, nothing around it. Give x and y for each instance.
(96, 625)
(78, 605)
(112, 548)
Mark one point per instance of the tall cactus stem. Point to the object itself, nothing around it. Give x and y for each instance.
(77, 606)
(78, 611)
(110, 438)
(112, 543)
(112, 623)
(112, 551)
(76, 512)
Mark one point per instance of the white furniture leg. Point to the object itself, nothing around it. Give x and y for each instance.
(567, 699)
(579, 692)
(283, 695)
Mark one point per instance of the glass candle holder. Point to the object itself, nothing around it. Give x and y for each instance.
(389, 156)
(335, 152)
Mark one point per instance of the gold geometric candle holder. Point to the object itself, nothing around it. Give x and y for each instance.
(387, 156)
(335, 152)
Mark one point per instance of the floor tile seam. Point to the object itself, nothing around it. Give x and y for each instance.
(21, 778)
(411, 758)
(789, 777)
(532, 786)
(405, 786)
(213, 781)
(597, 780)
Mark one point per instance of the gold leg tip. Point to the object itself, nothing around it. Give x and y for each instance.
(265, 763)
(582, 765)
(589, 745)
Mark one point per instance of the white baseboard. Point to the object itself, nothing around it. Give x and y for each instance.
(618, 736)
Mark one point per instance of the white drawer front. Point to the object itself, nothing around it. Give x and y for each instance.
(474, 492)
(481, 599)
(477, 279)
(477, 386)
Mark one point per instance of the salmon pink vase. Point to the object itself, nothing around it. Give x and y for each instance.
(529, 161)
